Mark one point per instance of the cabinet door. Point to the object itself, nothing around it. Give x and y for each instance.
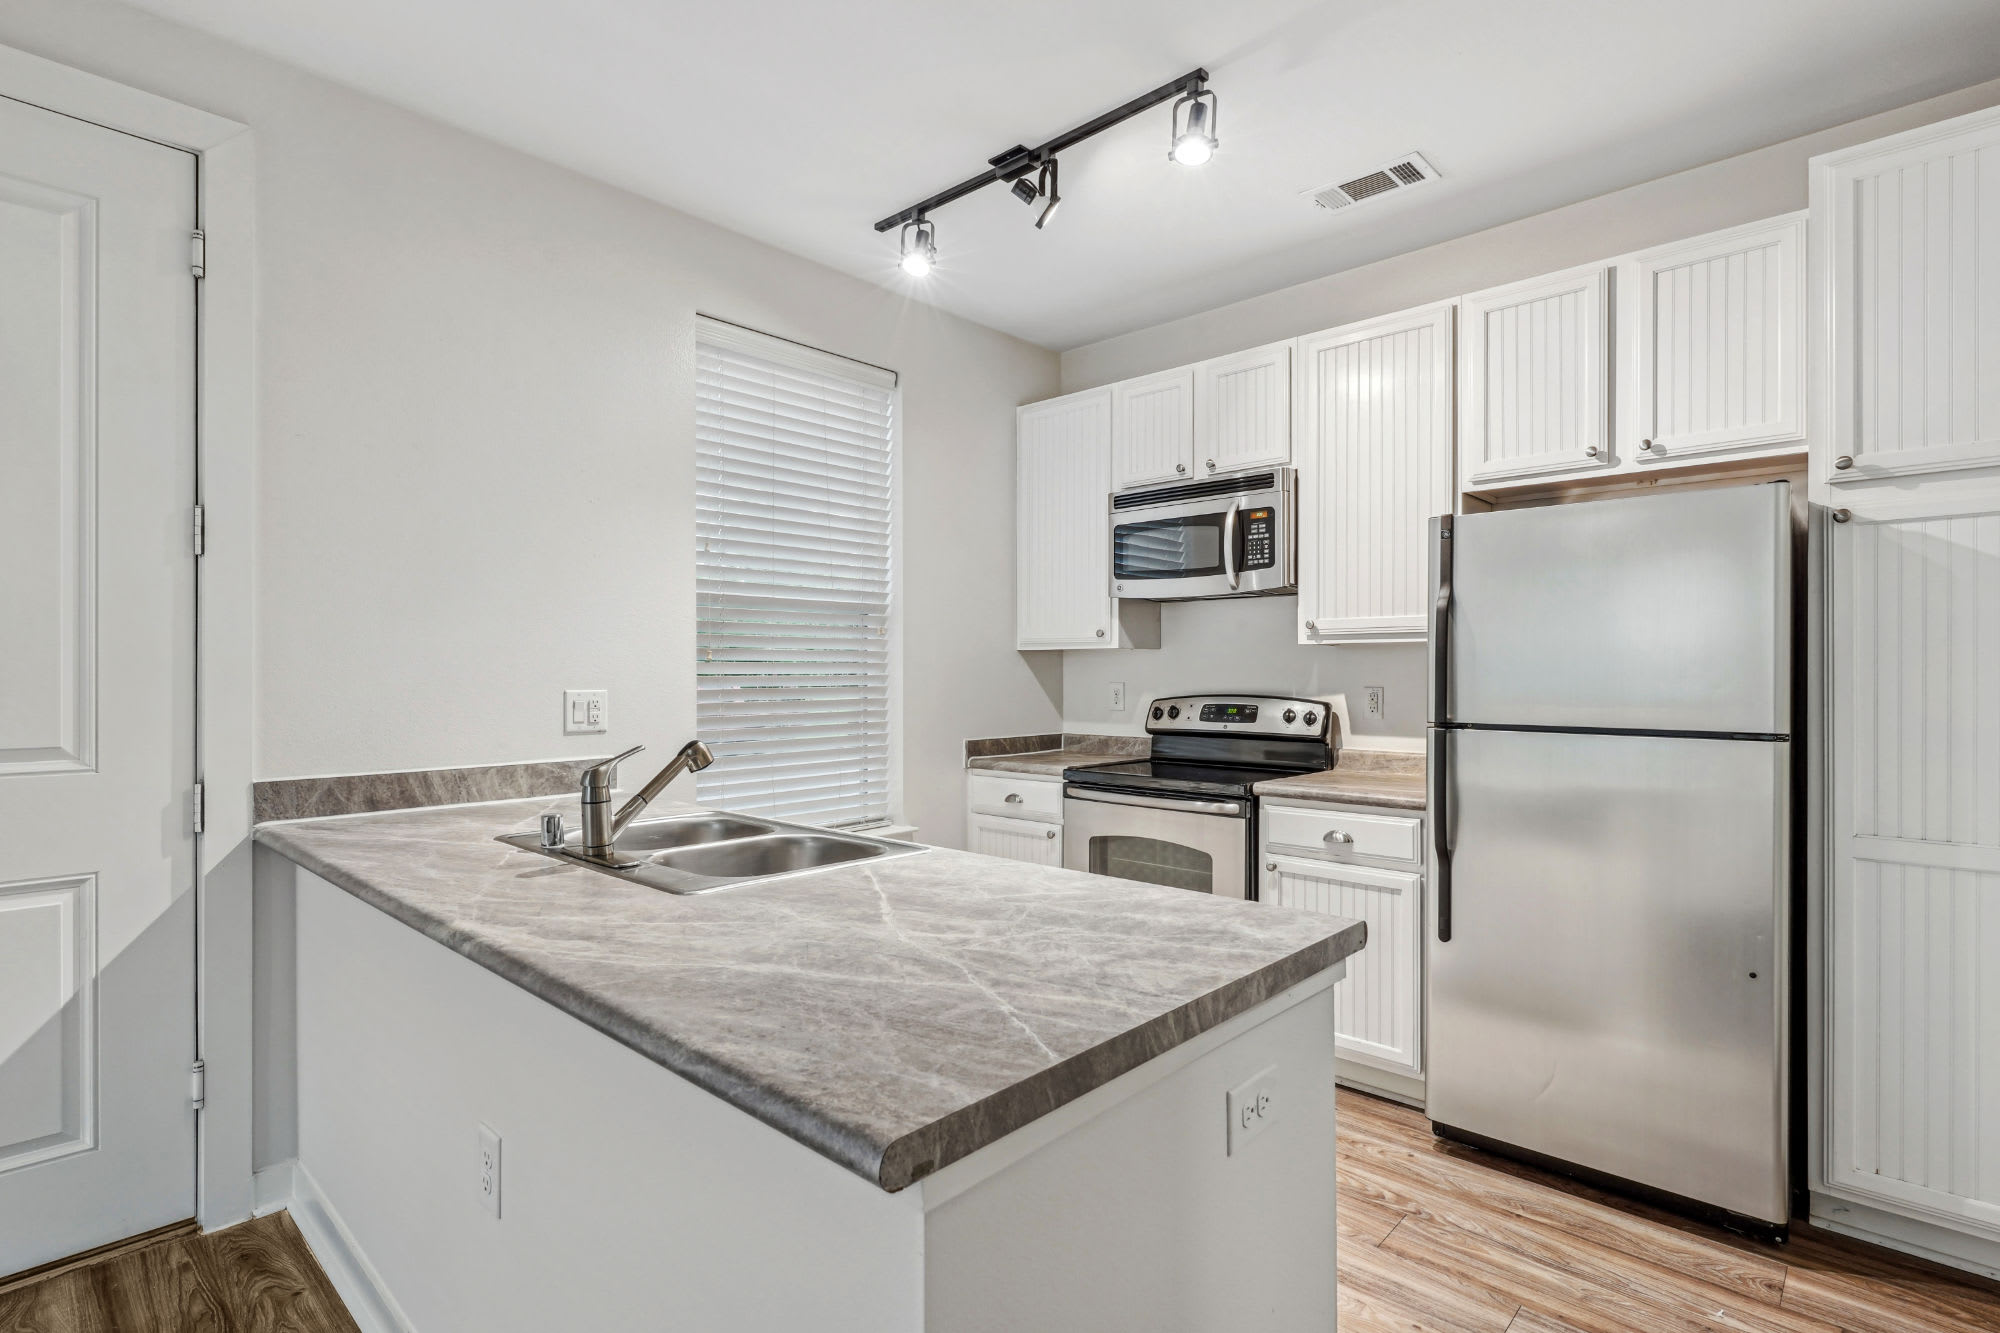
(1243, 410)
(1152, 429)
(1015, 839)
(1536, 391)
(1714, 344)
(1378, 1018)
(1374, 454)
(1911, 990)
(1906, 279)
(1063, 527)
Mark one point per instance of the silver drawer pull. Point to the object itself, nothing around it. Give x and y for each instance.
(1338, 837)
(1844, 462)
(1590, 452)
(1270, 865)
(1052, 833)
(1013, 798)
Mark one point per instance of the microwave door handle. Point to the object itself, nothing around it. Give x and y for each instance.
(1229, 543)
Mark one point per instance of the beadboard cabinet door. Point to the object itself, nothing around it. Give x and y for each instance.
(1714, 343)
(1535, 379)
(1911, 927)
(1152, 428)
(1374, 443)
(1378, 1013)
(1243, 410)
(1016, 839)
(1063, 535)
(1906, 293)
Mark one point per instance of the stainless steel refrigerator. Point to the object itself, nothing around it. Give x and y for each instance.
(1610, 765)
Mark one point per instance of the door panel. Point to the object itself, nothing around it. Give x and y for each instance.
(96, 685)
(1378, 1009)
(1613, 993)
(1062, 523)
(1243, 410)
(1661, 613)
(1152, 429)
(1537, 379)
(1016, 839)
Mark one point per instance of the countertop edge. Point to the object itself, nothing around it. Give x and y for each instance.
(1381, 800)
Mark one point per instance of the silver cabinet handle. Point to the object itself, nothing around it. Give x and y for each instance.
(1270, 865)
(1051, 833)
(1844, 462)
(1211, 465)
(1338, 837)
(1645, 446)
(1100, 634)
(1312, 627)
(1591, 452)
(1839, 516)
(1013, 798)
(1180, 467)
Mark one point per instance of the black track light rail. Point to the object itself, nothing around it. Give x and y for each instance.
(1018, 161)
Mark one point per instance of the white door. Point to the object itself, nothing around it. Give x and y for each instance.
(1535, 401)
(1015, 839)
(1152, 429)
(1375, 453)
(1906, 275)
(1063, 523)
(1379, 1018)
(1243, 410)
(1715, 344)
(97, 326)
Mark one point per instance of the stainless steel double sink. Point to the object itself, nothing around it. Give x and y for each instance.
(700, 853)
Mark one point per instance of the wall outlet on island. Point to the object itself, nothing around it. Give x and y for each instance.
(586, 712)
(1253, 1106)
(489, 1170)
(1117, 696)
(1373, 694)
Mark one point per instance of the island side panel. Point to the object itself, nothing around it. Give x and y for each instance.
(630, 1199)
(1140, 1219)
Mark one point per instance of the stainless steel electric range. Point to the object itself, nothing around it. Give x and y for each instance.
(1186, 815)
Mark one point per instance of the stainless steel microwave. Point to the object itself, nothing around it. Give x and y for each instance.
(1221, 537)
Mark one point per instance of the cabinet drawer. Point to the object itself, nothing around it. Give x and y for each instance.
(1342, 835)
(1015, 796)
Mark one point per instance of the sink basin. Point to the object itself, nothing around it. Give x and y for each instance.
(774, 854)
(717, 850)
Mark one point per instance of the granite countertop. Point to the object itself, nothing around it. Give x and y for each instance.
(1386, 778)
(1048, 756)
(894, 1016)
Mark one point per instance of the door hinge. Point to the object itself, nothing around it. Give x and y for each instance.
(198, 253)
(198, 810)
(200, 532)
(198, 1085)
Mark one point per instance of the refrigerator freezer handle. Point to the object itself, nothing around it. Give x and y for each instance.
(1437, 761)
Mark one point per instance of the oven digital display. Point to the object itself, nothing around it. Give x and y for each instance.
(1229, 712)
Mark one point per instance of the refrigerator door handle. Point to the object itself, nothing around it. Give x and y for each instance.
(1437, 760)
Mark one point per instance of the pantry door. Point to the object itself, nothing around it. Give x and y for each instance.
(97, 760)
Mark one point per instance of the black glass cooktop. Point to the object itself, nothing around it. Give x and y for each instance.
(1172, 775)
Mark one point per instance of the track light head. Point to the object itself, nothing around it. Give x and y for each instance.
(1194, 132)
(919, 248)
(1047, 188)
(1024, 190)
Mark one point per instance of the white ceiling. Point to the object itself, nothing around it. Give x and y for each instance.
(800, 122)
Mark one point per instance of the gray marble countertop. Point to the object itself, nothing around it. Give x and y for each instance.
(893, 1016)
(1384, 778)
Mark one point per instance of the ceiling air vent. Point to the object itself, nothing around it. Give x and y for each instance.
(1398, 175)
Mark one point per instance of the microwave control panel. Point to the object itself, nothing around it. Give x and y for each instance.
(1260, 538)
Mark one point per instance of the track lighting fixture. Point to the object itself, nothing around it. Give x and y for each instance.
(919, 248)
(1194, 135)
(1193, 144)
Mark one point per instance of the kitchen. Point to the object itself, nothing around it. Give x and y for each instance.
(453, 471)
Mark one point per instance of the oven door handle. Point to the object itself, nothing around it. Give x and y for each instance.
(1191, 806)
(1229, 543)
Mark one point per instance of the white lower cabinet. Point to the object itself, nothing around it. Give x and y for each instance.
(1015, 839)
(1018, 816)
(1379, 1015)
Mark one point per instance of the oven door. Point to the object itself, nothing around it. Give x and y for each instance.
(1184, 843)
(1227, 544)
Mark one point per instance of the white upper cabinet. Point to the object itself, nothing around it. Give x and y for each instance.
(1375, 464)
(1152, 429)
(1063, 539)
(1535, 379)
(1243, 410)
(1906, 293)
(1712, 332)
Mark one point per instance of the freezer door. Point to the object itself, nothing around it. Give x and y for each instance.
(1659, 613)
(1612, 994)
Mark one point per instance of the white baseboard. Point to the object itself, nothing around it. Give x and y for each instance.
(1907, 1234)
(1395, 1087)
(288, 1185)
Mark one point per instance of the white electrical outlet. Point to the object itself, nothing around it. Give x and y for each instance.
(1252, 1108)
(1374, 695)
(586, 712)
(489, 1170)
(1117, 696)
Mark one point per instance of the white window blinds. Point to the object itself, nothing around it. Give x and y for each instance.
(792, 530)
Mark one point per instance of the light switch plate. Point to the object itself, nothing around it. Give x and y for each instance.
(586, 712)
(1252, 1108)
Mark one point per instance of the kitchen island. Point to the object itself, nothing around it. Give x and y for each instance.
(936, 1092)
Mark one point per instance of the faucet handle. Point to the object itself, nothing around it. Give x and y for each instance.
(597, 779)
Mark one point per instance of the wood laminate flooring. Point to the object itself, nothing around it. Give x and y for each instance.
(258, 1277)
(1439, 1238)
(1434, 1238)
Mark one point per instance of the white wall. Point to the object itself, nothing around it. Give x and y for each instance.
(1253, 644)
(477, 427)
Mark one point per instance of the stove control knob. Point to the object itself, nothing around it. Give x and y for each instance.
(1312, 719)
(1173, 710)
(1158, 712)
(1291, 716)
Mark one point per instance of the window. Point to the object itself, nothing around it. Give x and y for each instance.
(794, 450)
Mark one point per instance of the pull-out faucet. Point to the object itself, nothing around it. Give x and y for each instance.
(600, 827)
